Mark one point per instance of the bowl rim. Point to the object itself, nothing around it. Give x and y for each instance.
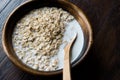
(90, 41)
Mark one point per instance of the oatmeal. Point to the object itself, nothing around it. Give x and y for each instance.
(38, 35)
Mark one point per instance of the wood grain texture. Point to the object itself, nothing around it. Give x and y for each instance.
(3, 15)
(103, 60)
(3, 3)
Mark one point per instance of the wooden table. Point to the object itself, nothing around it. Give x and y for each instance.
(103, 60)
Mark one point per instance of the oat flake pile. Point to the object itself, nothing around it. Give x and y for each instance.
(38, 35)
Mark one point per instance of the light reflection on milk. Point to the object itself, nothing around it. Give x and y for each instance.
(71, 29)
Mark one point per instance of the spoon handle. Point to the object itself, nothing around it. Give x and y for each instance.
(66, 69)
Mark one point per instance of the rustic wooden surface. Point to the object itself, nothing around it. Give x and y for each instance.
(103, 60)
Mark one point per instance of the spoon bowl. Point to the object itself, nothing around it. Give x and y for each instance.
(66, 68)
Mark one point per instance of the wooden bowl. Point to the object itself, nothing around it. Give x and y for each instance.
(23, 9)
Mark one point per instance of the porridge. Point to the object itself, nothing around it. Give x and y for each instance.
(38, 35)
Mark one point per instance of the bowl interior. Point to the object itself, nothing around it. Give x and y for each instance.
(23, 9)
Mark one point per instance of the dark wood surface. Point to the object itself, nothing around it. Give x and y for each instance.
(103, 59)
